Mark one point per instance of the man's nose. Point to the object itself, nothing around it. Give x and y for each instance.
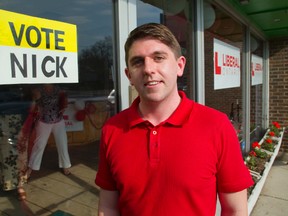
(148, 65)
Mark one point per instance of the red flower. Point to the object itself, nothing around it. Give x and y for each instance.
(255, 144)
(271, 133)
(252, 153)
(276, 124)
(269, 141)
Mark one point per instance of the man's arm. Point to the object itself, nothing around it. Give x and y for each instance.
(234, 204)
(108, 203)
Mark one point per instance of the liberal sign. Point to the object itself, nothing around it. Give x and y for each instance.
(257, 70)
(226, 65)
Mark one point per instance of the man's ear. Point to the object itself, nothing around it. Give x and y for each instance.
(128, 75)
(181, 65)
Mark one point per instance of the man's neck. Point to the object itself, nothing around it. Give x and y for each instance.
(157, 112)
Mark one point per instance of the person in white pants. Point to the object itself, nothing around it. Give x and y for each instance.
(51, 103)
(43, 131)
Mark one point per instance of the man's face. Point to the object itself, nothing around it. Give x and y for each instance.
(153, 69)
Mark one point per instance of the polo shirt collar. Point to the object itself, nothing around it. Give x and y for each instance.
(178, 117)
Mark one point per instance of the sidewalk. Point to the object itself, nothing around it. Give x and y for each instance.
(50, 193)
(273, 199)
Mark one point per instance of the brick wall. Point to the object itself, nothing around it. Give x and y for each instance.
(222, 99)
(278, 110)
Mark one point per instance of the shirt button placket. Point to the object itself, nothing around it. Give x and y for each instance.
(154, 146)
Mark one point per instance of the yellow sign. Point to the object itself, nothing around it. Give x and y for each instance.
(37, 50)
(31, 32)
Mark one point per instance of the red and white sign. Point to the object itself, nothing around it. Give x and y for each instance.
(71, 123)
(256, 70)
(226, 65)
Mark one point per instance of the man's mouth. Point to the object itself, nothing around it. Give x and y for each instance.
(152, 83)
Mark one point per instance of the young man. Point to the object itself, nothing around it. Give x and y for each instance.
(167, 155)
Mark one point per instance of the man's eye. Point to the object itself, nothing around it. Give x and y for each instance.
(136, 62)
(159, 58)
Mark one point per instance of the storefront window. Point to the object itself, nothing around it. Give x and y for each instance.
(177, 17)
(92, 99)
(256, 130)
(223, 47)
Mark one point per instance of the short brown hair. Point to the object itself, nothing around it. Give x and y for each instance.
(155, 31)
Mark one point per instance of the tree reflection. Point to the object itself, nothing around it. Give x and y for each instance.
(95, 65)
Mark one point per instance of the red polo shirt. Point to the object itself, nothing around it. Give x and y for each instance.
(174, 168)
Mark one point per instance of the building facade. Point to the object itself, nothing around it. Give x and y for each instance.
(231, 66)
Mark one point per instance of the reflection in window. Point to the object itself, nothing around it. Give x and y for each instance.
(176, 16)
(92, 95)
(94, 34)
(229, 33)
(256, 130)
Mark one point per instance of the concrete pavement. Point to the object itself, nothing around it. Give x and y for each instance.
(50, 193)
(273, 199)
